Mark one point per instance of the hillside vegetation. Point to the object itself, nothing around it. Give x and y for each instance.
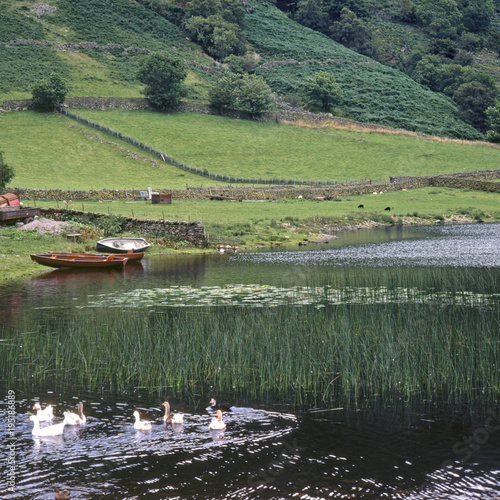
(83, 158)
(98, 45)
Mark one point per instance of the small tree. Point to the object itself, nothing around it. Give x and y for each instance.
(223, 93)
(48, 94)
(311, 13)
(440, 18)
(164, 77)
(218, 37)
(353, 33)
(322, 90)
(493, 123)
(6, 173)
(254, 95)
(473, 99)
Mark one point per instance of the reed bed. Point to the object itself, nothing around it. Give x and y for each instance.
(316, 353)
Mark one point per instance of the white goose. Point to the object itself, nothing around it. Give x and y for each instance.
(217, 423)
(44, 415)
(76, 419)
(176, 418)
(51, 430)
(141, 425)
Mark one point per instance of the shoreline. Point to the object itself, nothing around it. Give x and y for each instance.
(321, 235)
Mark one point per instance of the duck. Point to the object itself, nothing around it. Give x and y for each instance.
(176, 418)
(76, 419)
(44, 415)
(141, 425)
(219, 406)
(61, 495)
(50, 431)
(217, 423)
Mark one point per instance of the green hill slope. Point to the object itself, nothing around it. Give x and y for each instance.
(96, 45)
(373, 92)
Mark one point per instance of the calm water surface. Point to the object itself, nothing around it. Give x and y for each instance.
(389, 449)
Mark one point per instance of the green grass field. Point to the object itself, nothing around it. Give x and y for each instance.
(50, 151)
(256, 216)
(82, 158)
(243, 148)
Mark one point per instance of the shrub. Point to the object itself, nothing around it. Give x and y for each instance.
(48, 94)
(163, 76)
(6, 173)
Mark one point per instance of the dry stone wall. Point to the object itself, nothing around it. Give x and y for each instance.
(481, 181)
(193, 232)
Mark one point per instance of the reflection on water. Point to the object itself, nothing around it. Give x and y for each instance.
(390, 449)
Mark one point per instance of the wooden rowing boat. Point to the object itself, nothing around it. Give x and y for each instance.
(132, 257)
(81, 261)
(123, 245)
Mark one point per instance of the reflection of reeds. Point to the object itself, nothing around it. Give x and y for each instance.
(391, 350)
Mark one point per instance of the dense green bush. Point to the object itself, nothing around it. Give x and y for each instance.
(6, 173)
(164, 77)
(48, 94)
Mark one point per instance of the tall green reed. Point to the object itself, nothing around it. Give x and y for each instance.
(346, 351)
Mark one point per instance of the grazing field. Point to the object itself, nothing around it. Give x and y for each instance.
(50, 151)
(243, 148)
(271, 222)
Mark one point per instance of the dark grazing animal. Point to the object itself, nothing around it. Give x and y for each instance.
(361, 206)
(387, 209)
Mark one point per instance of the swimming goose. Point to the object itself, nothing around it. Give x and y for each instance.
(217, 423)
(141, 425)
(220, 406)
(61, 495)
(51, 430)
(176, 418)
(74, 419)
(43, 415)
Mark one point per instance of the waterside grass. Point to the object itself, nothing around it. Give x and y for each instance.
(349, 351)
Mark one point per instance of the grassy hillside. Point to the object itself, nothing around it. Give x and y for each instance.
(83, 158)
(110, 37)
(96, 45)
(373, 92)
(80, 158)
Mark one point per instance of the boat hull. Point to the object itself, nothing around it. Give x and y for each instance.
(131, 256)
(123, 245)
(80, 261)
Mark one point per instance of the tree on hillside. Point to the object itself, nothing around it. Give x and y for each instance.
(322, 90)
(353, 33)
(231, 11)
(254, 95)
(224, 92)
(164, 77)
(218, 37)
(473, 99)
(477, 16)
(6, 173)
(334, 7)
(48, 94)
(440, 18)
(311, 13)
(493, 123)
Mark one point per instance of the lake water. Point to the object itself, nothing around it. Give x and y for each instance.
(272, 447)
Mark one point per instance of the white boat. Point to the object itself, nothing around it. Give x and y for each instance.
(123, 245)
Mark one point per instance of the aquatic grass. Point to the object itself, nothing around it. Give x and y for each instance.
(428, 351)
